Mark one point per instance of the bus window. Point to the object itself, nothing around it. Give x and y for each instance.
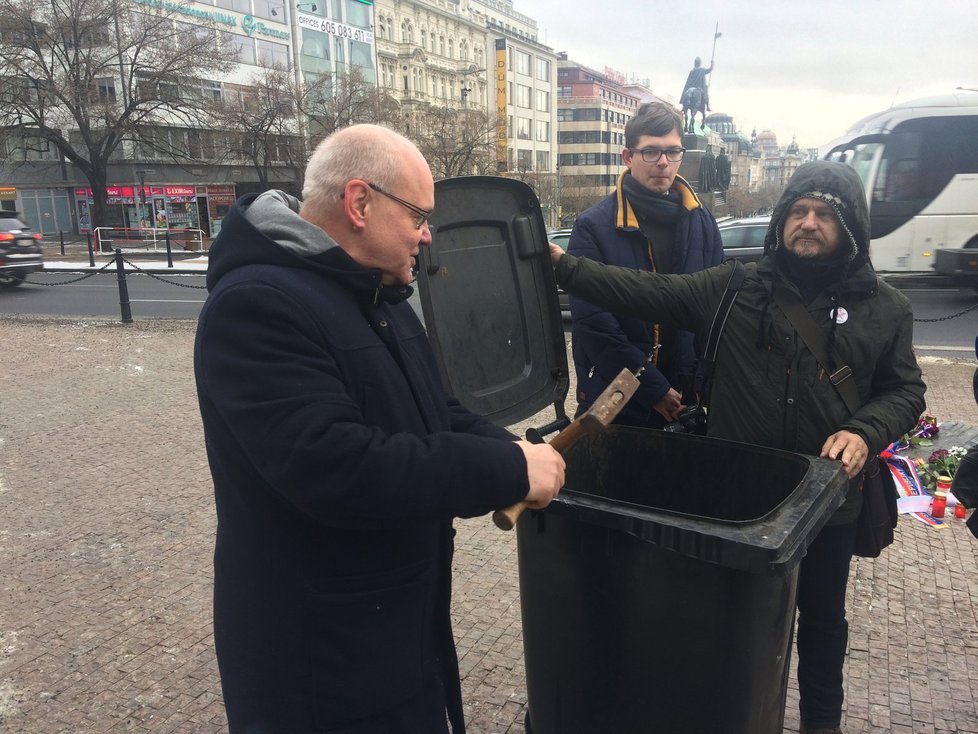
(900, 175)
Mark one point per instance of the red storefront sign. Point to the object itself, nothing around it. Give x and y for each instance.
(179, 191)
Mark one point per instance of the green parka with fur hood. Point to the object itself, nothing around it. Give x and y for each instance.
(768, 388)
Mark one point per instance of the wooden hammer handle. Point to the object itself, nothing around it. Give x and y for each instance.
(505, 519)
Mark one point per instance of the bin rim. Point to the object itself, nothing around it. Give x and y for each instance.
(767, 545)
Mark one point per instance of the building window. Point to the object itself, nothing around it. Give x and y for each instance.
(543, 101)
(239, 6)
(543, 160)
(106, 89)
(523, 63)
(524, 160)
(315, 44)
(522, 96)
(451, 48)
(543, 131)
(523, 128)
(212, 91)
(240, 46)
(543, 71)
(263, 9)
(273, 54)
(355, 13)
(564, 92)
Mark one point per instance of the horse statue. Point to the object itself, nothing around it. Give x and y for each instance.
(693, 101)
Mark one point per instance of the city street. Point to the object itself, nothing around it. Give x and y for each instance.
(107, 536)
(944, 317)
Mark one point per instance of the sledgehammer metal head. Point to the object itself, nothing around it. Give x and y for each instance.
(602, 412)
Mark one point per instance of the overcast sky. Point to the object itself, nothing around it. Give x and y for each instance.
(808, 69)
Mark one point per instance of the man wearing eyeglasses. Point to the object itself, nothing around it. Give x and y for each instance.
(338, 460)
(653, 221)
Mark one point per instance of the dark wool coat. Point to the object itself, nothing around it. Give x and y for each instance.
(768, 388)
(338, 464)
(965, 486)
(603, 342)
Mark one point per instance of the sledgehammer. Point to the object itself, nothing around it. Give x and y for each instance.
(601, 413)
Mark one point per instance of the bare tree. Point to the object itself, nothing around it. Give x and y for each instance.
(578, 193)
(455, 142)
(544, 185)
(86, 77)
(262, 122)
(331, 102)
(742, 202)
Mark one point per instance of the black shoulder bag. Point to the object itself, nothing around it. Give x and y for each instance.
(692, 418)
(874, 529)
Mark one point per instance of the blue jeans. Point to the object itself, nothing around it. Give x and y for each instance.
(823, 631)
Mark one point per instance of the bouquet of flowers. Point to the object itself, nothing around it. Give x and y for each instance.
(943, 462)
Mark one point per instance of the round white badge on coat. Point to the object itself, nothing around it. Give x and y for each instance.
(841, 315)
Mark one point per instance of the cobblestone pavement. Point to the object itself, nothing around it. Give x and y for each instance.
(106, 541)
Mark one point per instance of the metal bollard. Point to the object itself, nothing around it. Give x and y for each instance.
(91, 252)
(61, 236)
(169, 252)
(123, 288)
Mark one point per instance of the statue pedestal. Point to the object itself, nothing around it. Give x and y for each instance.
(695, 141)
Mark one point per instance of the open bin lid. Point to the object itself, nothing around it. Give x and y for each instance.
(489, 299)
(745, 507)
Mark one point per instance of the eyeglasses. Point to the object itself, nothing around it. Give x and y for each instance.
(652, 155)
(420, 215)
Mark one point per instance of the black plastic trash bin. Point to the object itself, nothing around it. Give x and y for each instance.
(658, 590)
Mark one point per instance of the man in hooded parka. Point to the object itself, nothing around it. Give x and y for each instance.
(769, 389)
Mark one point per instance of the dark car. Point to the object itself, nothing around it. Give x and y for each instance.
(20, 250)
(561, 237)
(744, 238)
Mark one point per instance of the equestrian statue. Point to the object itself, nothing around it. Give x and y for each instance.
(696, 96)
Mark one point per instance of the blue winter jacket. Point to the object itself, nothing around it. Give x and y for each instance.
(604, 343)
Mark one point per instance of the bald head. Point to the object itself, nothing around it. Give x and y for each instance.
(371, 190)
(369, 152)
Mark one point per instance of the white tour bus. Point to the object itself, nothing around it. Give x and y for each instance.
(919, 163)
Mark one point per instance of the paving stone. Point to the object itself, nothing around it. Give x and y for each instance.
(107, 539)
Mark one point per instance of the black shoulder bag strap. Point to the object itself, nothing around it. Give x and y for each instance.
(709, 358)
(816, 341)
(878, 515)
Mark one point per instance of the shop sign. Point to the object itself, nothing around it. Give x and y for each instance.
(325, 25)
(256, 28)
(212, 15)
(179, 190)
(8, 193)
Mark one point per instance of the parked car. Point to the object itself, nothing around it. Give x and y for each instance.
(20, 250)
(744, 238)
(561, 237)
